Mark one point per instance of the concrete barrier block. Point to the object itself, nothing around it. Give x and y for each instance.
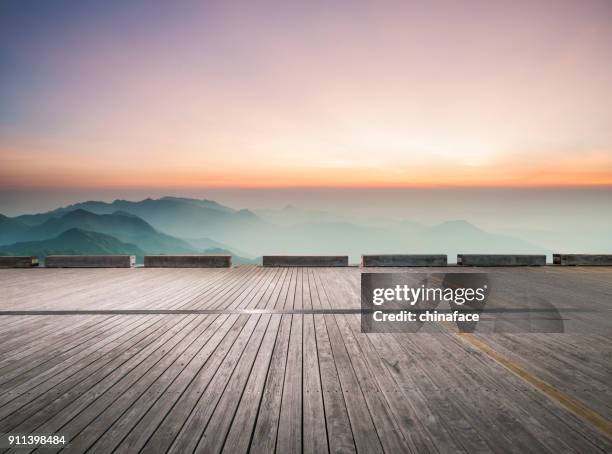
(305, 260)
(188, 261)
(583, 259)
(403, 260)
(500, 260)
(18, 261)
(90, 261)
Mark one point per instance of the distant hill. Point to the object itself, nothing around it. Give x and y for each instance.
(456, 237)
(123, 226)
(73, 242)
(183, 217)
(208, 244)
(352, 239)
(291, 215)
(10, 229)
(212, 226)
(202, 203)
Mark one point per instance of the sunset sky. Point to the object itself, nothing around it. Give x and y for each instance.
(120, 94)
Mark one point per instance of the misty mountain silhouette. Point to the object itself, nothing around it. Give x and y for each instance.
(207, 244)
(455, 227)
(73, 242)
(10, 229)
(460, 236)
(123, 226)
(290, 215)
(183, 217)
(212, 226)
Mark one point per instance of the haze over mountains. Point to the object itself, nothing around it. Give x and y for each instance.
(173, 225)
(74, 242)
(177, 216)
(121, 225)
(118, 232)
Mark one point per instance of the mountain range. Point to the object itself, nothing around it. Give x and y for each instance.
(182, 217)
(121, 225)
(73, 242)
(173, 225)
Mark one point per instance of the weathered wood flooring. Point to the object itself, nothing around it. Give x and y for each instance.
(258, 374)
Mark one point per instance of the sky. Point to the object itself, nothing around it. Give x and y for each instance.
(323, 94)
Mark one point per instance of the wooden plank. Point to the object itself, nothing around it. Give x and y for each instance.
(500, 390)
(266, 427)
(44, 366)
(68, 405)
(460, 409)
(264, 434)
(244, 388)
(18, 261)
(338, 426)
(419, 423)
(189, 435)
(239, 289)
(289, 437)
(62, 391)
(188, 261)
(305, 260)
(422, 426)
(114, 433)
(339, 429)
(313, 419)
(83, 430)
(218, 368)
(158, 428)
(157, 407)
(423, 429)
(501, 260)
(557, 367)
(315, 431)
(185, 404)
(156, 410)
(243, 425)
(43, 333)
(401, 260)
(136, 391)
(90, 261)
(213, 438)
(582, 259)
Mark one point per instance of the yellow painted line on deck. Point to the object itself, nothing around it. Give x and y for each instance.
(571, 404)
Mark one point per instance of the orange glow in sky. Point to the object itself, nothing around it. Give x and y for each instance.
(278, 95)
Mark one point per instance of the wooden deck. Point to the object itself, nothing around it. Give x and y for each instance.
(272, 359)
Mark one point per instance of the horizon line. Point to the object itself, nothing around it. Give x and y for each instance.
(307, 187)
